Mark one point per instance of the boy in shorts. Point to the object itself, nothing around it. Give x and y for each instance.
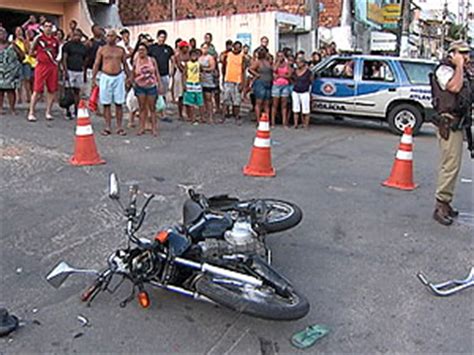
(192, 87)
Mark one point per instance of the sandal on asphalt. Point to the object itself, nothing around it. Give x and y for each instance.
(49, 117)
(121, 132)
(32, 118)
(106, 132)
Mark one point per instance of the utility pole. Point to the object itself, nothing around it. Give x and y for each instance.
(314, 14)
(466, 20)
(173, 10)
(443, 26)
(405, 29)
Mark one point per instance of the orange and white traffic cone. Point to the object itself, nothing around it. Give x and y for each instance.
(260, 162)
(401, 176)
(85, 151)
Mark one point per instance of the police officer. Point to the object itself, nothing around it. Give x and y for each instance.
(452, 100)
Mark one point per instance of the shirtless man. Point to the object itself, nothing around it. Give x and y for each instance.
(180, 59)
(111, 61)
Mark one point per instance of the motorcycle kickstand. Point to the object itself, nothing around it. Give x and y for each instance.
(126, 301)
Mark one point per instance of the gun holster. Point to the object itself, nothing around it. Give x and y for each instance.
(447, 122)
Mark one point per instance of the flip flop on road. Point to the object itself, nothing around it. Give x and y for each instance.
(106, 132)
(121, 132)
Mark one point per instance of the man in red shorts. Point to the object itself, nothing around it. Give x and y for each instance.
(46, 48)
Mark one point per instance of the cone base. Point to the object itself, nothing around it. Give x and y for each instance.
(76, 162)
(395, 185)
(248, 171)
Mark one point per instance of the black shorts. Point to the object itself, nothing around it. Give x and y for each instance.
(208, 90)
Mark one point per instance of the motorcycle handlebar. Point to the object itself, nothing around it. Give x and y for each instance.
(142, 214)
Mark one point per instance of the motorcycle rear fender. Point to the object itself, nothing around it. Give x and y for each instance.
(222, 201)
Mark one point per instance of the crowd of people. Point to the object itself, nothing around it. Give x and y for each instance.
(207, 86)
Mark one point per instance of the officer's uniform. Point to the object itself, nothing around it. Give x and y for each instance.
(452, 110)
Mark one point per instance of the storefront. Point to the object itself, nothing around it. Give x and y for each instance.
(16, 12)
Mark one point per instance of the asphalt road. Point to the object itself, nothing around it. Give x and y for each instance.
(355, 255)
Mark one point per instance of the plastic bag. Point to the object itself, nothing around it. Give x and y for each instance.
(67, 98)
(132, 101)
(160, 103)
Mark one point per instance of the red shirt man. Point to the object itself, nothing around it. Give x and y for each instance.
(46, 48)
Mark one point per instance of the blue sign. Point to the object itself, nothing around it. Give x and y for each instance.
(245, 38)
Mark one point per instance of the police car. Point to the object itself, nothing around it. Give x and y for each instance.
(396, 90)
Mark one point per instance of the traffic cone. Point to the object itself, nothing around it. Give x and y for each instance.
(401, 176)
(94, 99)
(85, 151)
(260, 161)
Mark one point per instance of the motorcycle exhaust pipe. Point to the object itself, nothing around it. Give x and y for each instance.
(219, 271)
(182, 291)
(62, 271)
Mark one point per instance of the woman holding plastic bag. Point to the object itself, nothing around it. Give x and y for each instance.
(146, 82)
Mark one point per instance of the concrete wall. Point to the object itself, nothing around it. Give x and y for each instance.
(223, 28)
(150, 11)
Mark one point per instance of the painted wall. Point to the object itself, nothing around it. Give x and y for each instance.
(66, 10)
(244, 26)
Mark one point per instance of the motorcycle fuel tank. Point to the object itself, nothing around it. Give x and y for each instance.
(210, 226)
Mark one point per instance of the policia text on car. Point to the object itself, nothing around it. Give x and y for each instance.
(452, 100)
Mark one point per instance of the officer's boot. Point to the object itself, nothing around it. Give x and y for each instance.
(441, 213)
(453, 213)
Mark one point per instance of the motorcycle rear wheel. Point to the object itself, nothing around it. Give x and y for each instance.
(282, 215)
(261, 302)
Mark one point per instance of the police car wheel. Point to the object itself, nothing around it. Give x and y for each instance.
(402, 116)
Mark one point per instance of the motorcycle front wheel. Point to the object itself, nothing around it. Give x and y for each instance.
(263, 302)
(281, 215)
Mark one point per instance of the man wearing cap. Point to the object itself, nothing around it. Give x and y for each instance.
(452, 101)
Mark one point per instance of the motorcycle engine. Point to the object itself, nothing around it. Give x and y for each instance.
(240, 240)
(241, 234)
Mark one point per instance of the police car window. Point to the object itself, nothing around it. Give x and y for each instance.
(340, 68)
(377, 70)
(418, 73)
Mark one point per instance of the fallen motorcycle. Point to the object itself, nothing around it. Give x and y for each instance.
(217, 254)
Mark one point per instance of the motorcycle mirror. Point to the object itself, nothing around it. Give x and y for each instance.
(62, 271)
(114, 190)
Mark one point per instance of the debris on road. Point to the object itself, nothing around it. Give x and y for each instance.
(336, 188)
(84, 321)
(8, 322)
(267, 347)
(78, 335)
(449, 287)
(19, 270)
(11, 152)
(34, 310)
(309, 336)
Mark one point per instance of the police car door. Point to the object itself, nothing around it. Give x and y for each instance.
(376, 87)
(334, 87)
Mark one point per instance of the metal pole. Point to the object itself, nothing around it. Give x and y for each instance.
(173, 10)
(314, 13)
(405, 29)
(443, 26)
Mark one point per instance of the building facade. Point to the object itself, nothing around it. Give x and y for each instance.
(287, 23)
(15, 12)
